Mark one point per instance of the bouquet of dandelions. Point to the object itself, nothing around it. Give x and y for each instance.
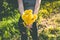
(28, 17)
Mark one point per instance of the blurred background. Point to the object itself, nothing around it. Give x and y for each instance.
(48, 20)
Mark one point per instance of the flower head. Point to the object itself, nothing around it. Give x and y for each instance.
(28, 17)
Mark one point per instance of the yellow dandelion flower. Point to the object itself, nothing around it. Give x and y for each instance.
(35, 16)
(28, 17)
(28, 11)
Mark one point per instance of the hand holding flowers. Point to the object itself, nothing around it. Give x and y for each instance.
(28, 17)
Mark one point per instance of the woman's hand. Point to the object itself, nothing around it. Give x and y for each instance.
(29, 26)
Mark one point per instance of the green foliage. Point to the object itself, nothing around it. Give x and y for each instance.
(50, 33)
(5, 4)
(9, 17)
(48, 8)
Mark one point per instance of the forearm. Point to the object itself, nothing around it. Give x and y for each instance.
(20, 4)
(37, 6)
